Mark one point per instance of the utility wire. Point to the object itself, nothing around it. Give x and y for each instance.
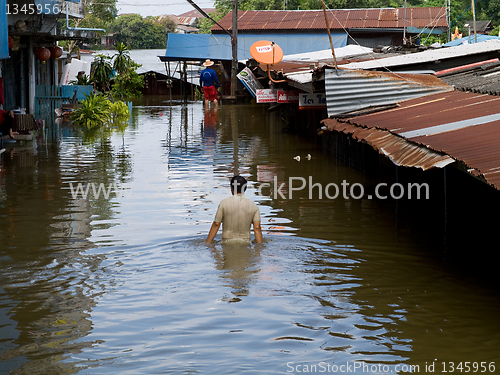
(206, 15)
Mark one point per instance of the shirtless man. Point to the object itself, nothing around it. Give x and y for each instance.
(236, 214)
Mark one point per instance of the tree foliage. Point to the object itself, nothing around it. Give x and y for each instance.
(102, 72)
(97, 14)
(128, 82)
(122, 59)
(140, 33)
(97, 117)
(117, 74)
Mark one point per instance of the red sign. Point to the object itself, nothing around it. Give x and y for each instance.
(288, 96)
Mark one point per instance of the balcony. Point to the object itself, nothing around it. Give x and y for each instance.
(24, 9)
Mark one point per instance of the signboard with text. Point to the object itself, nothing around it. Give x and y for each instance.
(249, 81)
(312, 101)
(288, 96)
(267, 96)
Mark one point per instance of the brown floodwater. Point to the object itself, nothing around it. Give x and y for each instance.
(123, 283)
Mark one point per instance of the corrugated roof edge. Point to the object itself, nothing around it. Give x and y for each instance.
(399, 150)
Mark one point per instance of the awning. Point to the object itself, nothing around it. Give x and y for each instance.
(182, 47)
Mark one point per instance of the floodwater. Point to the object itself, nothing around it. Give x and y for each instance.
(124, 283)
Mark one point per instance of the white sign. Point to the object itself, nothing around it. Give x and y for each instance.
(267, 96)
(264, 49)
(249, 81)
(70, 71)
(312, 101)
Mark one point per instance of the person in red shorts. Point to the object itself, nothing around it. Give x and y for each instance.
(209, 82)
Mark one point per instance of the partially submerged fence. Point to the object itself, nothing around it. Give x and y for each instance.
(48, 98)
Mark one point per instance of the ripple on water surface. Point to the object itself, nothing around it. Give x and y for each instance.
(233, 308)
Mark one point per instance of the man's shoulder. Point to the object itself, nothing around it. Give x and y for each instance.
(249, 201)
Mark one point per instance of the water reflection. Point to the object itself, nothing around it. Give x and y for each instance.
(125, 284)
(239, 265)
(50, 280)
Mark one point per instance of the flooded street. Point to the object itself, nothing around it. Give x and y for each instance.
(123, 283)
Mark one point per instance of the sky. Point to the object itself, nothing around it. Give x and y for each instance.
(159, 7)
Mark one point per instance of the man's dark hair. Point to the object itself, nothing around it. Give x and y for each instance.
(238, 184)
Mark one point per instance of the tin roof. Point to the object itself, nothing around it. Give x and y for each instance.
(400, 151)
(195, 13)
(465, 126)
(484, 79)
(189, 21)
(429, 56)
(380, 18)
(352, 90)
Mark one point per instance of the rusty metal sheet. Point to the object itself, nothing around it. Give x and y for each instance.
(186, 20)
(477, 145)
(400, 151)
(492, 45)
(388, 15)
(352, 90)
(337, 18)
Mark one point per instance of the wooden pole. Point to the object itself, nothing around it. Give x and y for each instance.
(404, 27)
(234, 44)
(184, 72)
(474, 20)
(330, 36)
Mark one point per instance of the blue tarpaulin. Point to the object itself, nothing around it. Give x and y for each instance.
(465, 40)
(425, 30)
(4, 31)
(218, 46)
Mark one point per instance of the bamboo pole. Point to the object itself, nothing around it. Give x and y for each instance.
(330, 36)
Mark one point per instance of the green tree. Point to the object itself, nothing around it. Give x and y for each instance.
(102, 73)
(167, 23)
(122, 59)
(128, 83)
(138, 32)
(488, 10)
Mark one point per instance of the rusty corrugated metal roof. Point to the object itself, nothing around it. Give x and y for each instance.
(397, 149)
(195, 13)
(187, 20)
(463, 125)
(252, 20)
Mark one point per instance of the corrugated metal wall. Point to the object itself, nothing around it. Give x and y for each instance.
(353, 90)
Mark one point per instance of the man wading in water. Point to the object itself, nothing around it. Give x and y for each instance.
(209, 82)
(237, 214)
